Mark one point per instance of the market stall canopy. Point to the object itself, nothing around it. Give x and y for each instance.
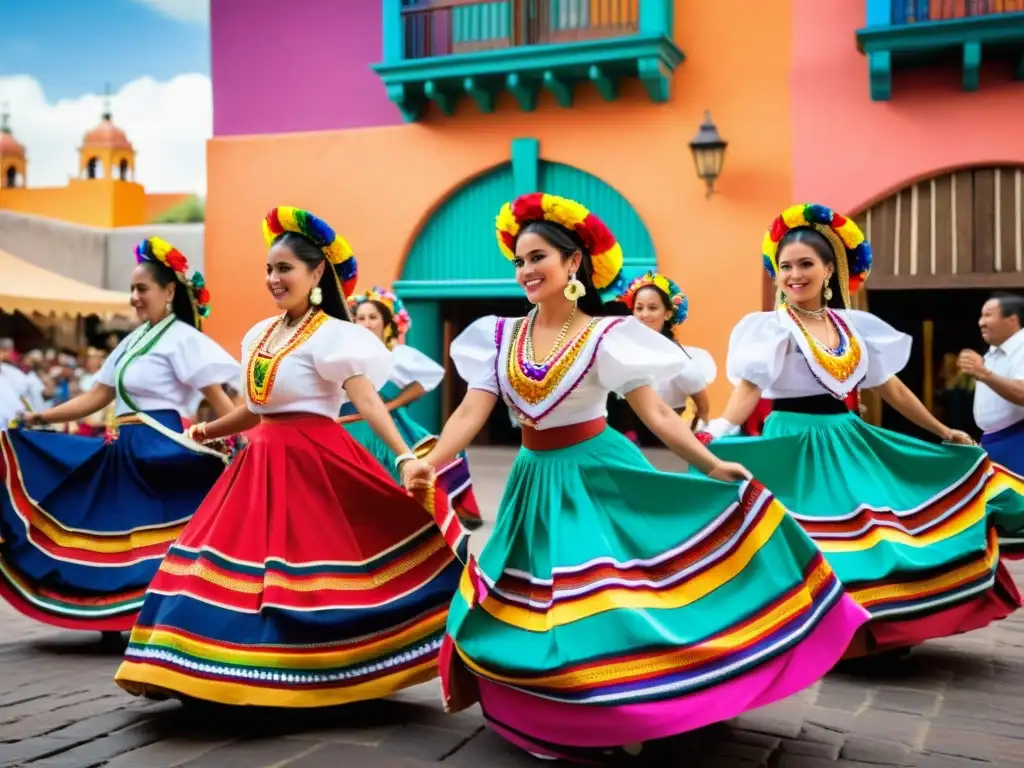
(29, 289)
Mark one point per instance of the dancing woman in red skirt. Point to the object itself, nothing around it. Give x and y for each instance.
(307, 577)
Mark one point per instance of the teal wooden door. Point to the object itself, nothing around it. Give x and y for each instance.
(456, 255)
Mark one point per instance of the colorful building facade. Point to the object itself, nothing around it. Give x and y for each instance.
(102, 191)
(406, 124)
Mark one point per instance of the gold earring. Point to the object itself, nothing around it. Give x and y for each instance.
(574, 290)
(169, 307)
(827, 293)
(316, 296)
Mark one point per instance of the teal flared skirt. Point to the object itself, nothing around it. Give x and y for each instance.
(911, 528)
(615, 603)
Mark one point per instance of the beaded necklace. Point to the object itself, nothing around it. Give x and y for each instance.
(533, 381)
(263, 364)
(841, 362)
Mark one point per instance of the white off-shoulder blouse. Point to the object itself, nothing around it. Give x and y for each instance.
(308, 373)
(771, 351)
(610, 354)
(168, 376)
(410, 366)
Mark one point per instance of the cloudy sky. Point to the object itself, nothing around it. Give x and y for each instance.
(56, 56)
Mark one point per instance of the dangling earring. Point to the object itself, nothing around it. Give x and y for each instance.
(168, 308)
(574, 290)
(827, 292)
(316, 296)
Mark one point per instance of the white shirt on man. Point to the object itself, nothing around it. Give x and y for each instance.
(991, 411)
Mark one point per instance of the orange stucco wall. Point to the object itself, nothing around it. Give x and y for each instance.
(93, 202)
(849, 151)
(379, 185)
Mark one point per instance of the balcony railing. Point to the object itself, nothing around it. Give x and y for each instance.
(445, 27)
(915, 11)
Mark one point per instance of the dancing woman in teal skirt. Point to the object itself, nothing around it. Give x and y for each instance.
(911, 528)
(413, 374)
(615, 604)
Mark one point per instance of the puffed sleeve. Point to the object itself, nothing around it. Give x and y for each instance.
(699, 373)
(107, 374)
(410, 366)
(888, 349)
(344, 350)
(475, 352)
(631, 355)
(199, 362)
(757, 350)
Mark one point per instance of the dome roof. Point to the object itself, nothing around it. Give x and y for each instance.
(106, 135)
(9, 146)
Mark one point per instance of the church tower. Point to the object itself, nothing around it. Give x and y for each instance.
(12, 155)
(106, 152)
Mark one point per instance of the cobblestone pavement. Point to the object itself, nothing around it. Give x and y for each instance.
(953, 704)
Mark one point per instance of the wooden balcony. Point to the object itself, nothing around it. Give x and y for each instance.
(440, 51)
(916, 33)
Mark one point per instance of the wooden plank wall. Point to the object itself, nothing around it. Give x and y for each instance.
(961, 230)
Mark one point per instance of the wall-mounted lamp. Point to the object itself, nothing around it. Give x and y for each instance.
(708, 150)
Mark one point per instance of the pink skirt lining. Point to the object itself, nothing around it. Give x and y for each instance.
(515, 714)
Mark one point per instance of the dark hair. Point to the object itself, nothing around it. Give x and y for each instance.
(1010, 305)
(310, 254)
(823, 248)
(666, 302)
(181, 304)
(390, 326)
(568, 243)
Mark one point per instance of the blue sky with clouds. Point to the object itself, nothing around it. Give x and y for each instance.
(73, 47)
(56, 56)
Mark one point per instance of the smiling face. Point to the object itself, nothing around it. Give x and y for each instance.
(148, 297)
(541, 268)
(289, 279)
(649, 308)
(803, 274)
(995, 328)
(369, 316)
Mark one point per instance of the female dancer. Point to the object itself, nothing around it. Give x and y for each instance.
(413, 374)
(661, 305)
(85, 521)
(910, 527)
(307, 578)
(614, 603)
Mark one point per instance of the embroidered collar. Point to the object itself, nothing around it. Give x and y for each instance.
(262, 367)
(838, 370)
(533, 391)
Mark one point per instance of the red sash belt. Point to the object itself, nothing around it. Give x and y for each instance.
(562, 437)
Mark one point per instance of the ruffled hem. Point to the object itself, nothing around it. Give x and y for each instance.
(582, 732)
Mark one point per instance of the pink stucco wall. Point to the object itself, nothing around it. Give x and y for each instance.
(849, 151)
(302, 65)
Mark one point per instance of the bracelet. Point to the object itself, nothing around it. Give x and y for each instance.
(400, 460)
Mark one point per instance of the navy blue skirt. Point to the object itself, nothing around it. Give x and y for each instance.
(85, 522)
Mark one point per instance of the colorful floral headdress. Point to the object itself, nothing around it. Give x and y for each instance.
(853, 252)
(680, 305)
(399, 315)
(159, 250)
(605, 251)
(336, 249)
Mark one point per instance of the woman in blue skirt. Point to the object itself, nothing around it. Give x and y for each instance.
(85, 521)
(413, 375)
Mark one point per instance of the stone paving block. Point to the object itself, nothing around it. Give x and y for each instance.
(906, 700)
(253, 753)
(423, 742)
(774, 726)
(979, 726)
(906, 729)
(20, 752)
(960, 743)
(488, 750)
(765, 740)
(49, 721)
(809, 749)
(336, 755)
(932, 760)
(97, 752)
(787, 760)
(166, 753)
(863, 749)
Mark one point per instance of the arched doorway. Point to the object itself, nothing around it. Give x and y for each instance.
(454, 272)
(941, 246)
